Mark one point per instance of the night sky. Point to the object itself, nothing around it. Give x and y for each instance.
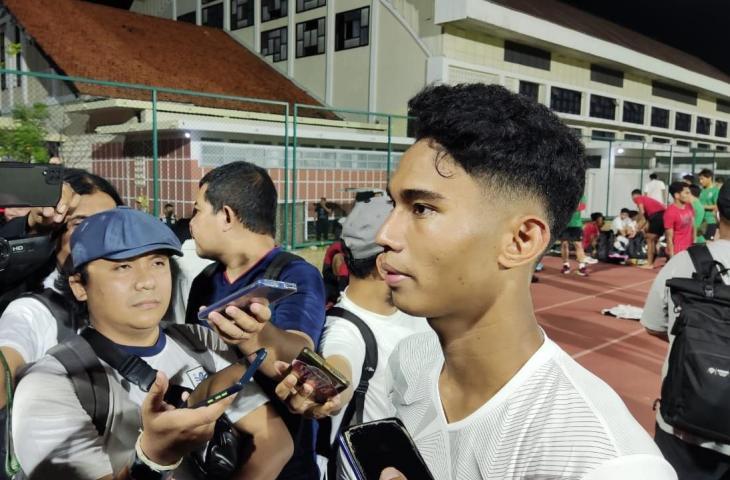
(698, 27)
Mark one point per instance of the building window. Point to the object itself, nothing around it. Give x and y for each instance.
(603, 135)
(310, 37)
(241, 14)
(633, 138)
(352, 28)
(603, 107)
(607, 75)
(529, 89)
(683, 121)
(526, 55)
(703, 146)
(671, 92)
(721, 148)
(684, 143)
(273, 42)
(273, 9)
(720, 129)
(659, 117)
(212, 16)
(633, 113)
(703, 125)
(593, 161)
(187, 18)
(660, 140)
(304, 5)
(723, 105)
(564, 100)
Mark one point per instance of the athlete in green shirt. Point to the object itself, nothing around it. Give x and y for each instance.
(699, 213)
(708, 197)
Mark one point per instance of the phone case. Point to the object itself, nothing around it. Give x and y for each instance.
(371, 447)
(326, 380)
(30, 185)
(271, 290)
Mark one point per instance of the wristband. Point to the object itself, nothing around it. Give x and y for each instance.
(145, 469)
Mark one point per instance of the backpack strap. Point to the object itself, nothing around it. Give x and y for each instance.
(191, 338)
(60, 309)
(281, 260)
(703, 262)
(88, 376)
(357, 403)
(200, 292)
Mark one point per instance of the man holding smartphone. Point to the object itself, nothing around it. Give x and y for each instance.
(122, 274)
(492, 177)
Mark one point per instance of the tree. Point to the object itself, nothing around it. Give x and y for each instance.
(25, 140)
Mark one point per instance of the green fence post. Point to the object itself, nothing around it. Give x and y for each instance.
(608, 175)
(155, 160)
(294, 178)
(286, 176)
(390, 150)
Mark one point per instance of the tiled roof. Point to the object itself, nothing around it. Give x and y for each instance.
(83, 39)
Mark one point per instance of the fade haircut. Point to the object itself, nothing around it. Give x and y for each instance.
(706, 172)
(677, 187)
(653, 176)
(513, 146)
(248, 190)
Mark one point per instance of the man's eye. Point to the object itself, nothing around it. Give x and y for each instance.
(421, 210)
(123, 266)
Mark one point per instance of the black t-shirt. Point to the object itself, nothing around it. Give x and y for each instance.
(321, 212)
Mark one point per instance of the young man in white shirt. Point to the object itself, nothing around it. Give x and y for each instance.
(343, 346)
(656, 189)
(491, 177)
(122, 274)
(691, 455)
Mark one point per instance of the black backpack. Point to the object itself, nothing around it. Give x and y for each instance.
(696, 390)
(354, 409)
(604, 246)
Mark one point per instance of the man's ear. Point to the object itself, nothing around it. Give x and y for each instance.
(77, 288)
(228, 218)
(528, 239)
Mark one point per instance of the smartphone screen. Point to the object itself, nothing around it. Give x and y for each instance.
(259, 357)
(269, 290)
(30, 185)
(373, 446)
(323, 377)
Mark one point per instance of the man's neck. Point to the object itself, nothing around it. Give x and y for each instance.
(128, 337)
(482, 354)
(678, 204)
(245, 254)
(371, 294)
(710, 185)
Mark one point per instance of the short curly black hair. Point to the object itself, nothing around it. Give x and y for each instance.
(515, 146)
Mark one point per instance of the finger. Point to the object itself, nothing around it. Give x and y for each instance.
(228, 328)
(243, 320)
(287, 387)
(391, 473)
(261, 312)
(210, 413)
(154, 401)
(281, 368)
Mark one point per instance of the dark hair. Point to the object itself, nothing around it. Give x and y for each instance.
(361, 268)
(633, 213)
(677, 187)
(248, 190)
(595, 216)
(635, 191)
(625, 210)
(85, 183)
(723, 207)
(168, 205)
(653, 176)
(695, 189)
(510, 143)
(719, 180)
(706, 172)
(689, 178)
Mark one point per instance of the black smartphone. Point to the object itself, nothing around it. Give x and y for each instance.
(259, 357)
(270, 290)
(373, 446)
(30, 184)
(325, 379)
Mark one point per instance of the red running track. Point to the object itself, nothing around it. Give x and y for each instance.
(619, 351)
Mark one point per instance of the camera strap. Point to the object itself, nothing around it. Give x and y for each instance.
(130, 367)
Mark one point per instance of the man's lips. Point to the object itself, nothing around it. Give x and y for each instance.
(147, 304)
(392, 276)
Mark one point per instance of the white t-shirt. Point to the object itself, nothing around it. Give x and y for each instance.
(28, 327)
(659, 315)
(553, 419)
(655, 189)
(55, 438)
(618, 224)
(341, 337)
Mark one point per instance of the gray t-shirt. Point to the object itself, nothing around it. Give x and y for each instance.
(659, 316)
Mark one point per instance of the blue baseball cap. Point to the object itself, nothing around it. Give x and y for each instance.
(118, 234)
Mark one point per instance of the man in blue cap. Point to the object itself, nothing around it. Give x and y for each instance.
(121, 261)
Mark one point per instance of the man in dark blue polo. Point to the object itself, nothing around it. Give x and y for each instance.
(234, 223)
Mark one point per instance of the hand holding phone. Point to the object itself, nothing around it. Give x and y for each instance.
(258, 358)
(372, 447)
(313, 370)
(263, 291)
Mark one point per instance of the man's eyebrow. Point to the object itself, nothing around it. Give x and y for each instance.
(411, 195)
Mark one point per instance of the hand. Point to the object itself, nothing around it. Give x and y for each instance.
(237, 327)
(299, 397)
(41, 218)
(391, 473)
(170, 433)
